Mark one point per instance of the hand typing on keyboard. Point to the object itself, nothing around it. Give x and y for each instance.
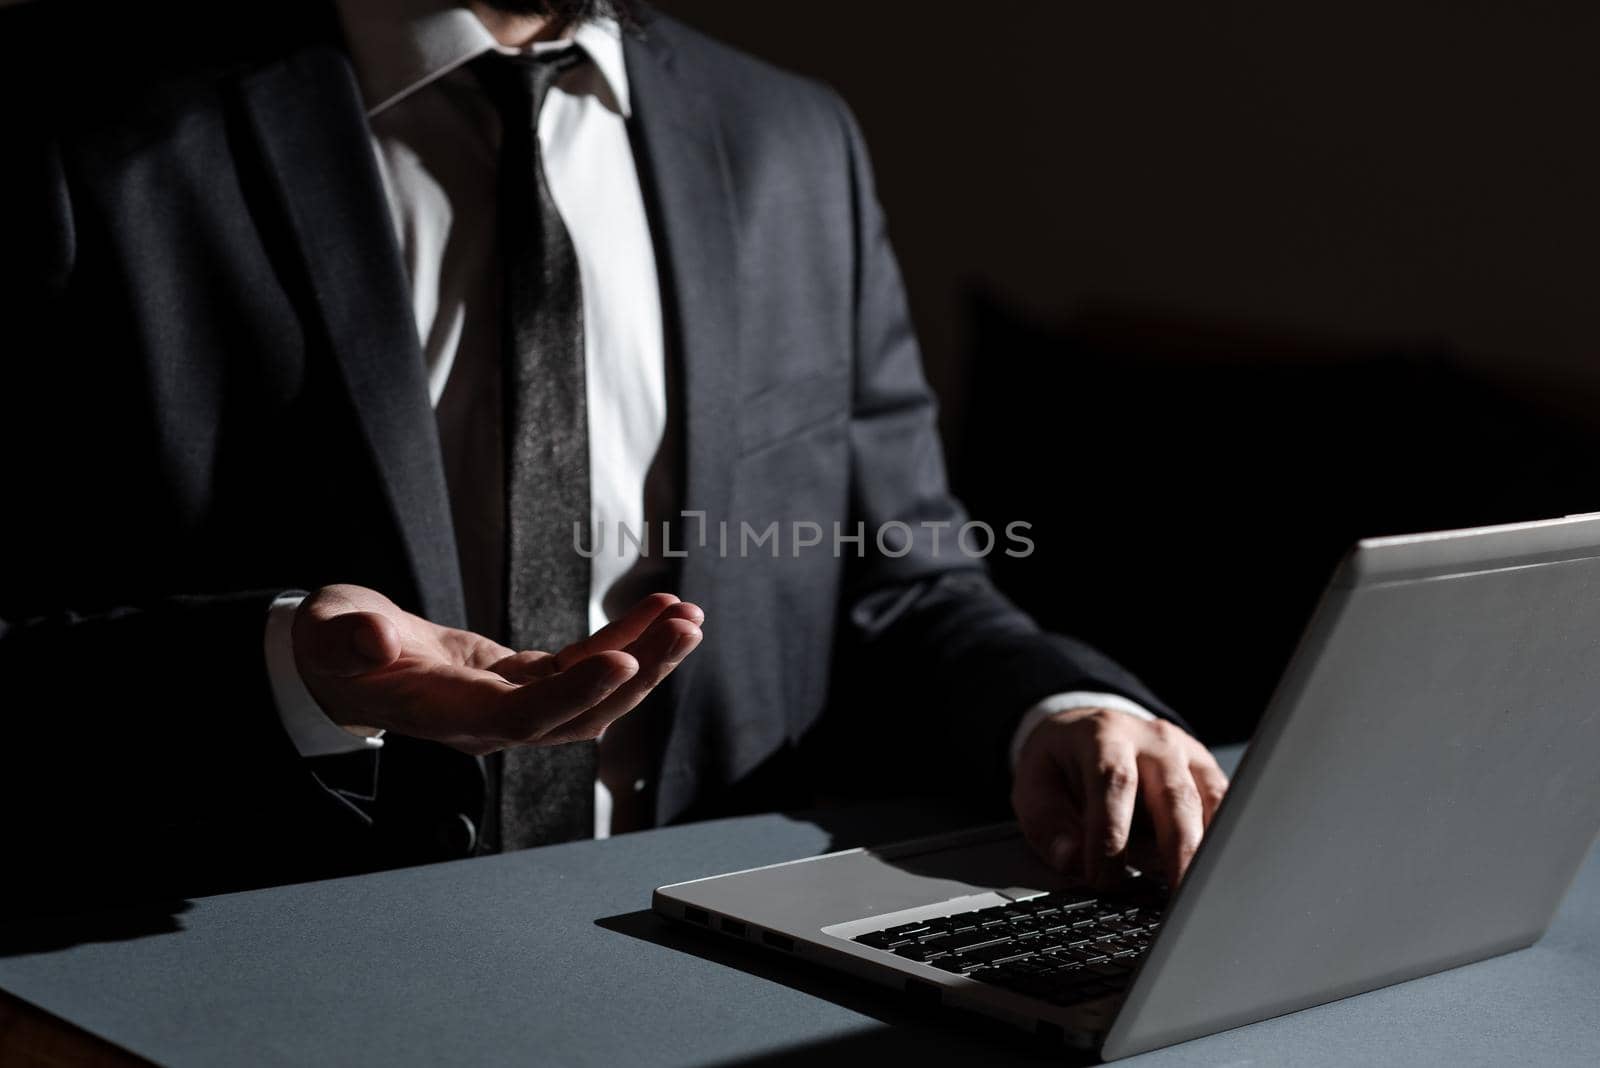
(1080, 776)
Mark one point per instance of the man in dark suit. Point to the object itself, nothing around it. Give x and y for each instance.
(321, 336)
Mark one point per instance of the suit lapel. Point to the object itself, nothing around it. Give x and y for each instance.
(306, 115)
(689, 197)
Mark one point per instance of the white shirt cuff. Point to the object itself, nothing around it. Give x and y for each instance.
(309, 727)
(1060, 702)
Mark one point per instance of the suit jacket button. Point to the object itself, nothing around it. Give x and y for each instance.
(456, 834)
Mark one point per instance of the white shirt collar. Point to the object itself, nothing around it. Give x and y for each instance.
(399, 46)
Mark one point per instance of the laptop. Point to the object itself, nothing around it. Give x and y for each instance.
(1419, 795)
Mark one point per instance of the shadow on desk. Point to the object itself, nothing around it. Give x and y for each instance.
(908, 1031)
(30, 1035)
(45, 933)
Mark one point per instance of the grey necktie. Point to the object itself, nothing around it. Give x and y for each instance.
(545, 794)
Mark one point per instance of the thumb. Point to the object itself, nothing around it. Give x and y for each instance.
(1057, 840)
(1049, 815)
(351, 643)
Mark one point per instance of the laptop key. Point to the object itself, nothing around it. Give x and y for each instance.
(1060, 969)
(907, 931)
(875, 939)
(950, 964)
(914, 951)
(998, 954)
(1034, 965)
(965, 940)
(1076, 954)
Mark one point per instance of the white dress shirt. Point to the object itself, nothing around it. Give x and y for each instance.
(436, 137)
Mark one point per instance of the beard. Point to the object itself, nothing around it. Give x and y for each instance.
(567, 12)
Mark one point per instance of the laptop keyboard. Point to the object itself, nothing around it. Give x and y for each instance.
(1063, 947)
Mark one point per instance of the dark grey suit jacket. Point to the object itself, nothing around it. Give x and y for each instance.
(214, 392)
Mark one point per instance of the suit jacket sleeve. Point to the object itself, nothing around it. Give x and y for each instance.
(931, 619)
(136, 739)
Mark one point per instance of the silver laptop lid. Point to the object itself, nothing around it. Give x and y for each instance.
(1420, 793)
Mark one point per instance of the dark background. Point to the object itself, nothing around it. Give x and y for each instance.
(1210, 290)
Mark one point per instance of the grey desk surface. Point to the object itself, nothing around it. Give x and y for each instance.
(550, 957)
